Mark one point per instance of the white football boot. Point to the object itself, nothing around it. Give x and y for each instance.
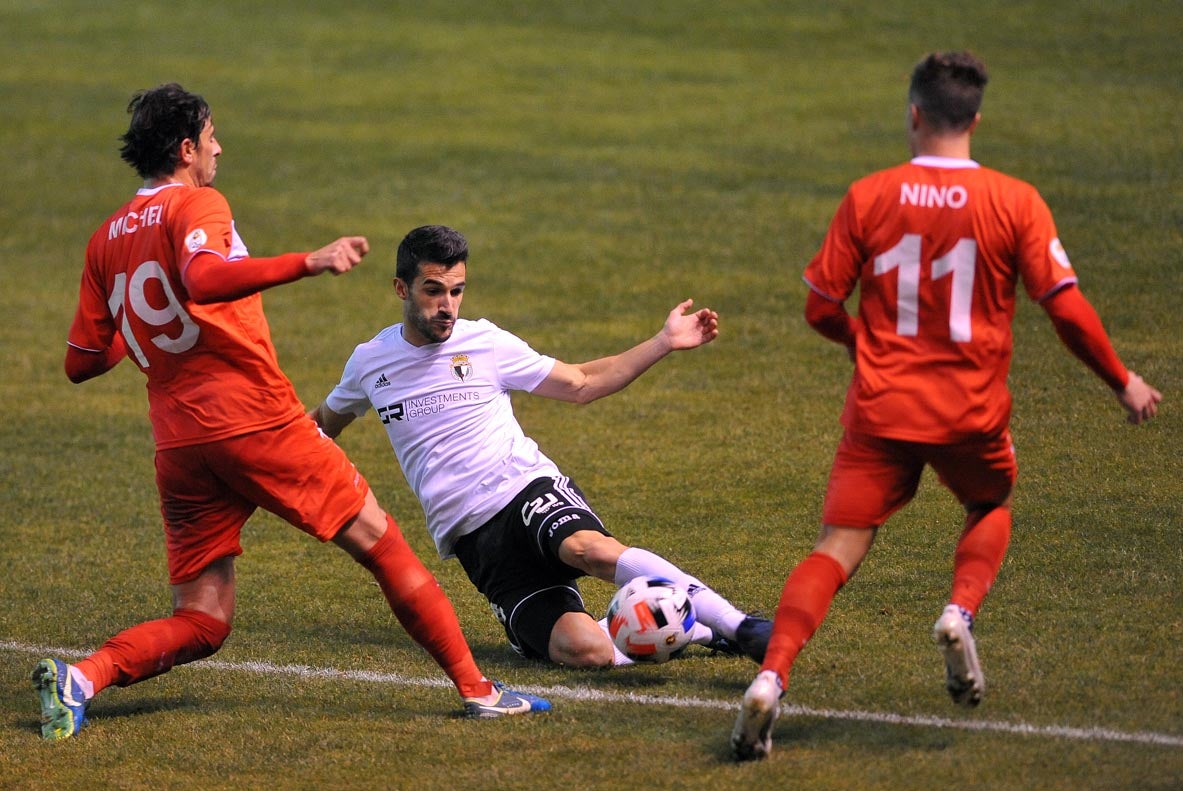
(953, 634)
(751, 739)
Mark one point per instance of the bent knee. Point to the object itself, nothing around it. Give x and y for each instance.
(578, 641)
(591, 657)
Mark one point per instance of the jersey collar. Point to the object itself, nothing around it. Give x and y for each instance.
(944, 162)
(154, 190)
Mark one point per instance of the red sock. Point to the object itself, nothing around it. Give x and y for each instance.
(154, 647)
(423, 609)
(978, 557)
(806, 598)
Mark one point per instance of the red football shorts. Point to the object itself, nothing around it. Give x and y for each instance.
(873, 477)
(208, 491)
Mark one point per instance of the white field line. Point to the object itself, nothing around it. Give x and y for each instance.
(584, 694)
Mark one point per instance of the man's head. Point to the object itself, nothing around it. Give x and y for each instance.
(947, 89)
(430, 271)
(162, 120)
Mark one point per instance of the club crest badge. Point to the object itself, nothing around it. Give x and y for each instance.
(461, 367)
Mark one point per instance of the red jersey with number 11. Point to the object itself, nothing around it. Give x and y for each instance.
(936, 247)
(212, 370)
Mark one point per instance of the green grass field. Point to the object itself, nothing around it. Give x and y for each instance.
(605, 160)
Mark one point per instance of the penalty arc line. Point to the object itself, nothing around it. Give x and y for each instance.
(584, 694)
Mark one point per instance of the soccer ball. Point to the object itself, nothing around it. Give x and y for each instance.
(650, 618)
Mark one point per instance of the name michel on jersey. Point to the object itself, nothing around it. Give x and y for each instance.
(428, 405)
(133, 221)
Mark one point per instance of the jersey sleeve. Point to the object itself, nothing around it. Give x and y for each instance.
(349, 397)
(834, 271)
(519, 367)
(210, 278)
(93, 329)
(1080, 328)
(1043, 264)
(204, 224)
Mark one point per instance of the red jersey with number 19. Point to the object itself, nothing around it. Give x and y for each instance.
(212, 369)
(936, 247)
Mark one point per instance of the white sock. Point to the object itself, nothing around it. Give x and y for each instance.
(84, 683)
(618, 657)
(710, 608)
(701, 634)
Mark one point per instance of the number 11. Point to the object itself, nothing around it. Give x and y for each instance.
(959, 262)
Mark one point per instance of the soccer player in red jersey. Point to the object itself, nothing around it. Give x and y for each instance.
(169, 283)
(936, 248)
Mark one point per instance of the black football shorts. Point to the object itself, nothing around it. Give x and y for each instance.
(513, 560)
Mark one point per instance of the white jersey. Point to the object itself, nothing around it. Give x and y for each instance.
(447, 411)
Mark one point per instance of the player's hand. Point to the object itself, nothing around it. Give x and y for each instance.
(338, 257)
(1139, 399)
(687, 330)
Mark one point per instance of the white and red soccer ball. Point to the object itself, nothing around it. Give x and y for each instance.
(650, 619)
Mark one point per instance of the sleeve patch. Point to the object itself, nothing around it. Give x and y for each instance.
(195, 240)
(1058, 253)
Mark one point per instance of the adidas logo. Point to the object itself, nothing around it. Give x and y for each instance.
(382, 382)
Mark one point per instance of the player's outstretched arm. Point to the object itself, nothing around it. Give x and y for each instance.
(583, 383)
(210, 278)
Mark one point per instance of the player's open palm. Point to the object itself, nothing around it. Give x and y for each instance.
(338, 257)
(688, 330)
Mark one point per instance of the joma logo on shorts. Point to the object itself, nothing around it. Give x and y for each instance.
(562, 520)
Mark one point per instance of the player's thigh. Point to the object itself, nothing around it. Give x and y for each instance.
(297, 473)
(980, 472)
(549, 512)
(871, 478)
(203, 516)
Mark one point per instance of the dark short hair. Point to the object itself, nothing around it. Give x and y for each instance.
(437, 244)
(161, 119)
(947, 88)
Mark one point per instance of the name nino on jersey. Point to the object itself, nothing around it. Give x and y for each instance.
(933, 197)
(461, 370)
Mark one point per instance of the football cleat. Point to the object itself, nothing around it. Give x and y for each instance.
(507, 704)
(751, 738)
(63, 703)
(953, 634)
(751, 639)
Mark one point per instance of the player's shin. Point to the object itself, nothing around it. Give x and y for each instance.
(804, 602)
(710, 608)
(154, 647)
(979, 556)
(424, 610)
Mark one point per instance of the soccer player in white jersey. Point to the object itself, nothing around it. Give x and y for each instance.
(522, 530)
